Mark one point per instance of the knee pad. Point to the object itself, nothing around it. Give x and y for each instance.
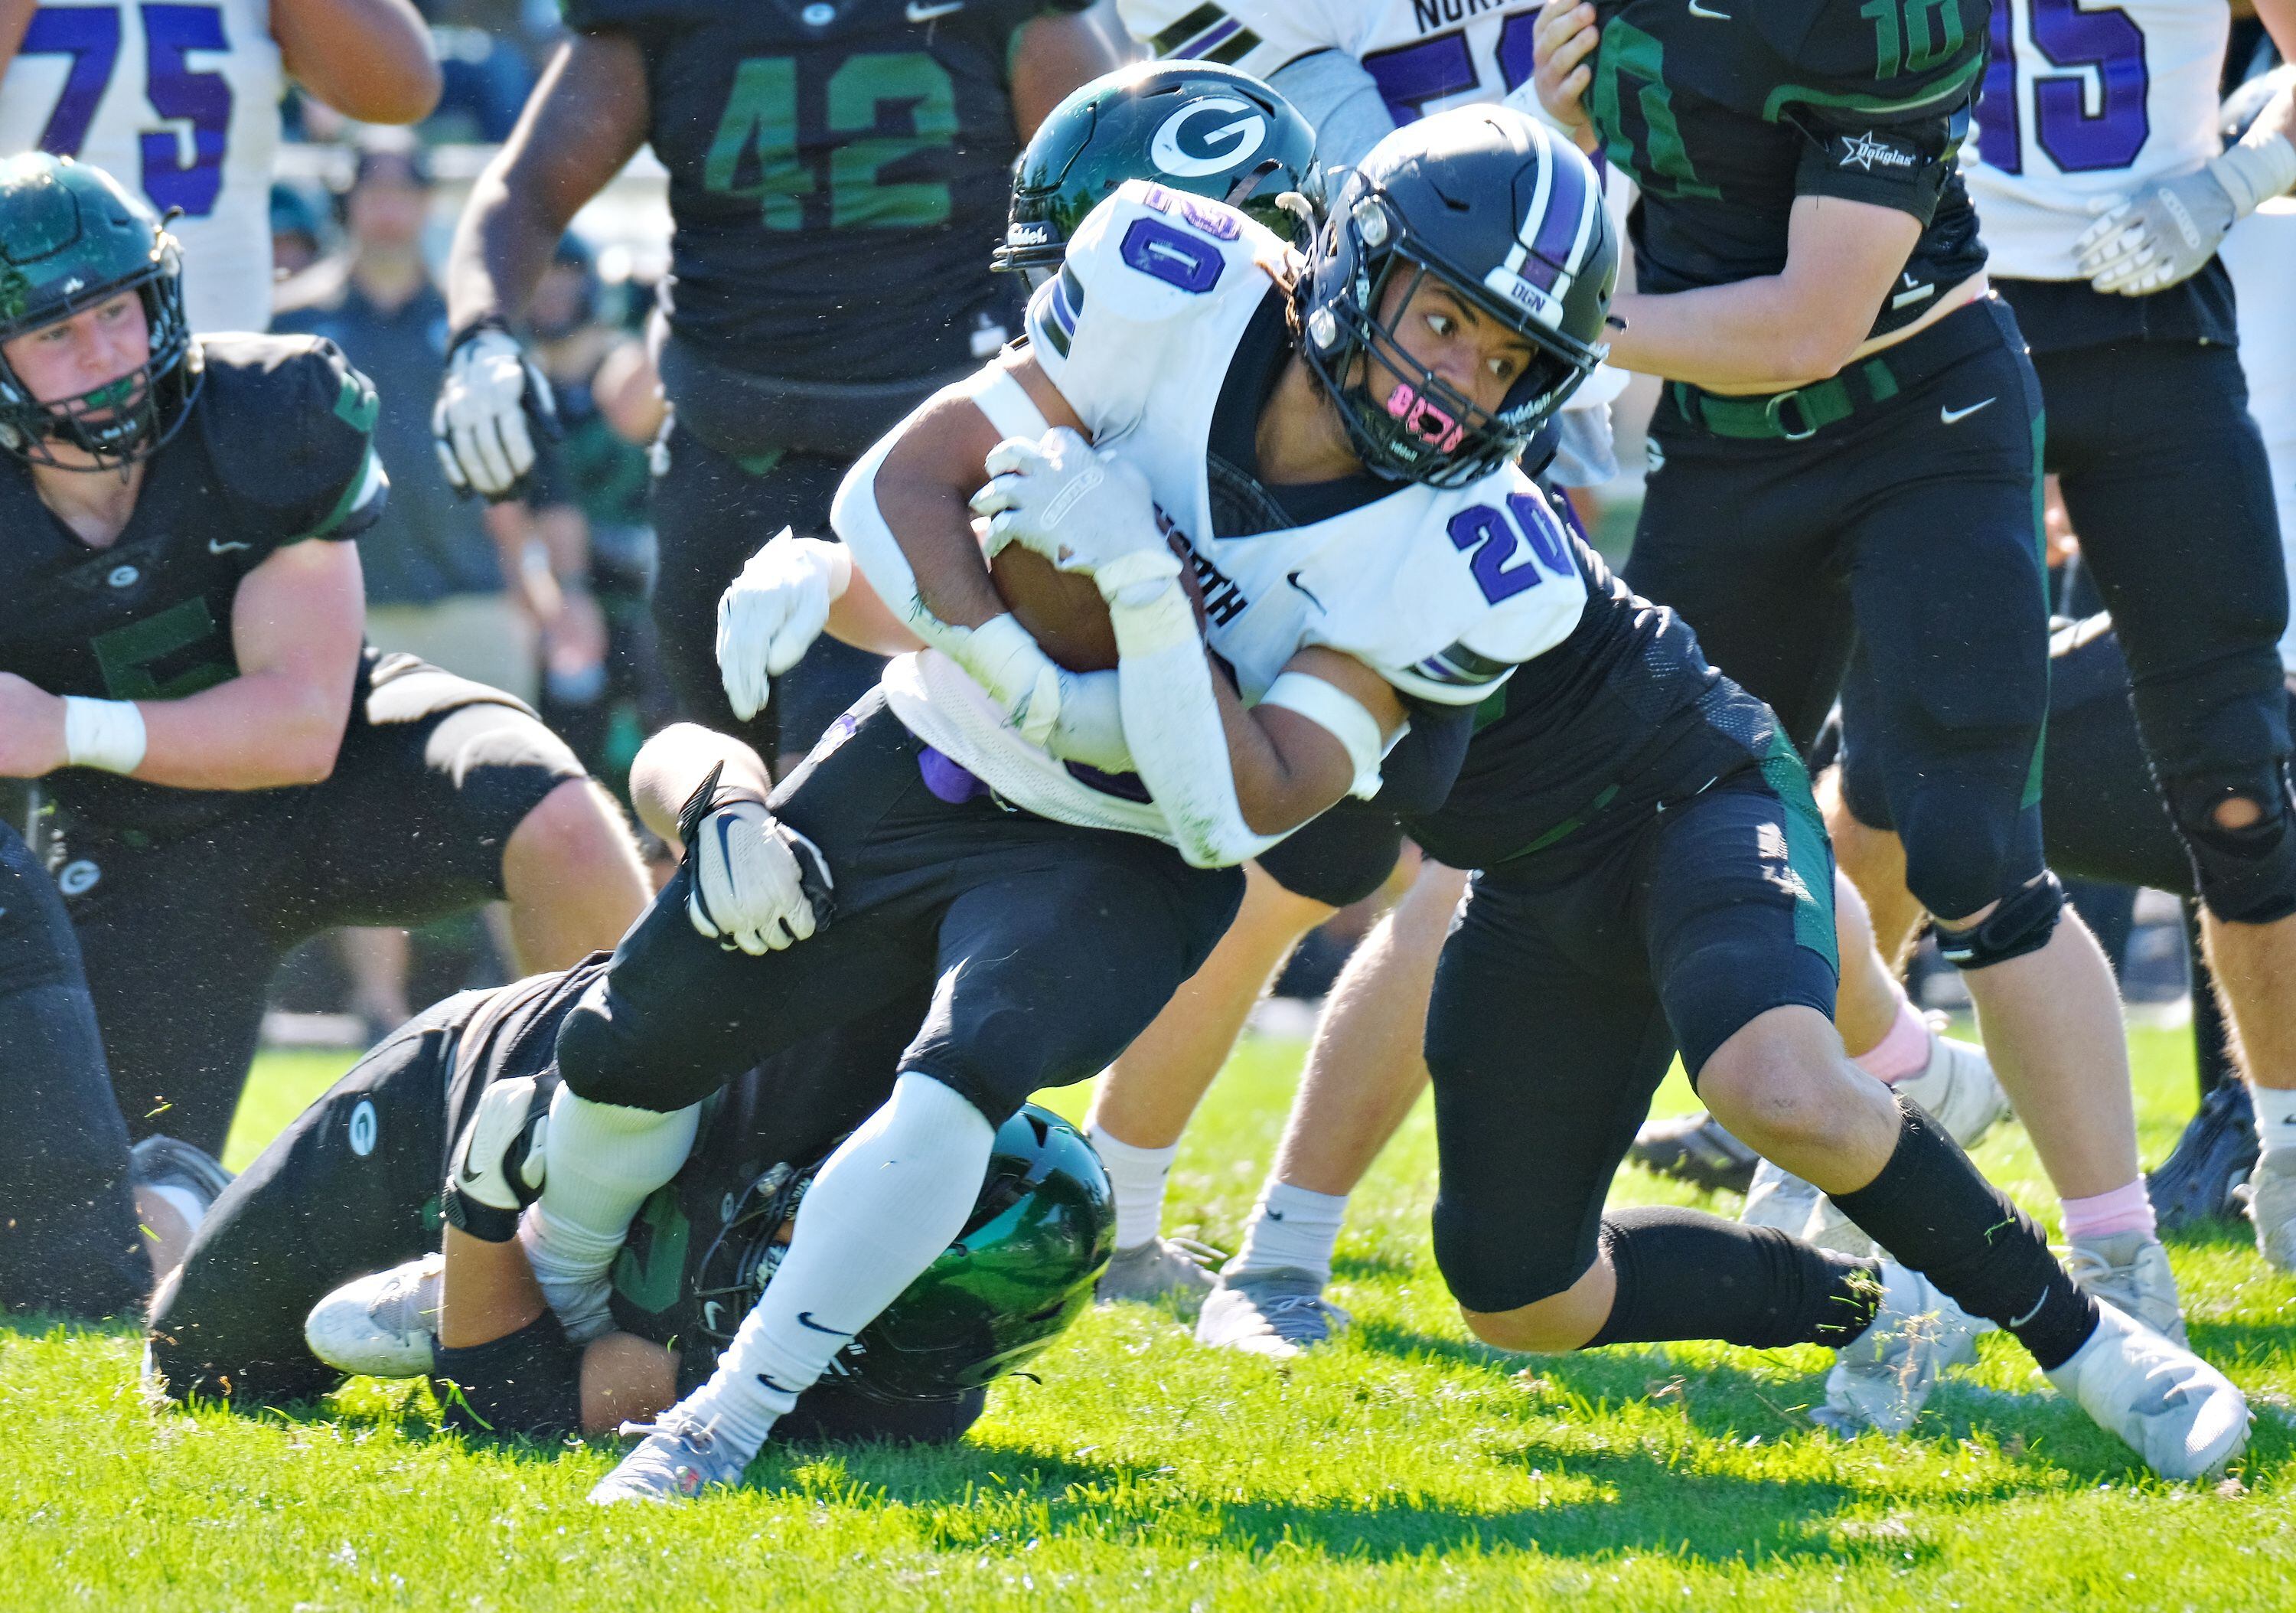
(2245, 876)
(526, 1382)
(2022, 923)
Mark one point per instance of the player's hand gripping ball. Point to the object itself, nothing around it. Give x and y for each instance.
(1086, 510)
(749, 875)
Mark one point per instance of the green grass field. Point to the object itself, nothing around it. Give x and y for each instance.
(1406, 1468)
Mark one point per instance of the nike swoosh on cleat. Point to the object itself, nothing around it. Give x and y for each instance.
(805, 1319)
(1948, 416)
(2038, 1304)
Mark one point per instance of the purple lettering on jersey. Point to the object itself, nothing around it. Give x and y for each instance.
(1497, 541)
(2108, 44)
(1219, 227)
(170, 34)
(1156, 249)
(1544, 530)
(90, 36)
(1411, 75)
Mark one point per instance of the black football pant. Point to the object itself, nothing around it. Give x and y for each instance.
(1571, 979)
(710, 514)
(68, 1225)
(1893, 555)
(181, 937)
(1047, 947)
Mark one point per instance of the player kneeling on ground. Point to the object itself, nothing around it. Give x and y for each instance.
(181, 664)
(348, 1198)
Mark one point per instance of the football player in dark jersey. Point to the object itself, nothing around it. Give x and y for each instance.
(181, 665)
(835, 168)
(297, 1277)
(1845, 482)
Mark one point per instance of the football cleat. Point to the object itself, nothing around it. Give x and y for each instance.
(2196, 1183)
(1279, 1314)
(2130, 1271)
(1160, 1269)
(2179, 1413)
(2268, 1199)
(680, 1459)
(383, 1325)
(1957, 1088)
(169, 1162)
(1698, 1149)
(1781, 1200)
(1882, 1378)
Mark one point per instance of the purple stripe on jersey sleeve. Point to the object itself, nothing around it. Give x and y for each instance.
(1206, 43)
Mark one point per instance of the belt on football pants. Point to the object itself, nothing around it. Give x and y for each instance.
(1803, 411)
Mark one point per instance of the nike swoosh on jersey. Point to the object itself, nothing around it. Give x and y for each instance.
(2029, 1315)
(926, 13)
(215, 548)
(805, 1319)
(1697, 10)
(1948, 416)
(1293, 578)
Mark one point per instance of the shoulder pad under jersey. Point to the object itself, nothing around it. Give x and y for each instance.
(288, 424)
(1147, 270)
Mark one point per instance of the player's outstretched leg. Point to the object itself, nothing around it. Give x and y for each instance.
(1781, 1083)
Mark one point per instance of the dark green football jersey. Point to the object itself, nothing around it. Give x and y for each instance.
(1725, 112)
(276, 451)
(839, 170)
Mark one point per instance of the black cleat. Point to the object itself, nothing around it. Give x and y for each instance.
(2193, 1185)
(1696, 1149)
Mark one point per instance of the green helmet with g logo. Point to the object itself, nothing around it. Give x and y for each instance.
(1189, 126)
(71, 238)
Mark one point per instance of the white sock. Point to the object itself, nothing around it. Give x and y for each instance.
(2275, 1117)
(1291, 1227)
(1138, 1176)
(604, 1159)
(886, 1204)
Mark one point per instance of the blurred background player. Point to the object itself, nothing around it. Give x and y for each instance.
(181, 660)
(181, 104)
(834, 172)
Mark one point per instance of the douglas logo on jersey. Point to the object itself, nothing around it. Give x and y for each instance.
(1868, 151)
(1209, 137)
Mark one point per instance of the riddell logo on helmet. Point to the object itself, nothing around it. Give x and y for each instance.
(1027, 234)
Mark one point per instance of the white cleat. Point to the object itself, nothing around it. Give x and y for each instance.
(680, 1459)
(2179, 1413)
(2130, 1271)
(2270, 1201)
(1280, 1314)
(1160, 1269)
(1882, 1378)
(383, 1325)
(1781, 1200)
(1957, 1088)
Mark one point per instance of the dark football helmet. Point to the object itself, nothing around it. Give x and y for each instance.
(1510, 216)
(1021, 1272)
(71, 238)
(1189, 126)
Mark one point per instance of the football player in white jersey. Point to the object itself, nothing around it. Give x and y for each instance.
(2103, 191)
(182, 102)
(1057, 849)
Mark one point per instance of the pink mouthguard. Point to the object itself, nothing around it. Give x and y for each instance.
(1423, 420)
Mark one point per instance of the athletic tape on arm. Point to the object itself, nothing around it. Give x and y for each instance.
(1339, 715)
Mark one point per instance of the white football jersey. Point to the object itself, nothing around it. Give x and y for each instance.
(2082, 102)
(1425, 55)
(1442, 592)
(180, 103)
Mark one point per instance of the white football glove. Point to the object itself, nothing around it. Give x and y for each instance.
(769, 616)
(493, 402)
(750, 878)
(1086, 510)
(2143, 242)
